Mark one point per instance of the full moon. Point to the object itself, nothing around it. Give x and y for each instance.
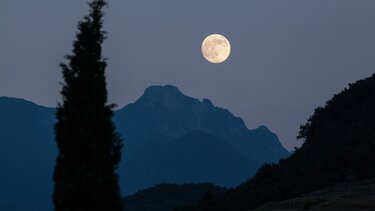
(216, 48)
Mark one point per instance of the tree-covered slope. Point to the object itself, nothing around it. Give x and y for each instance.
(339, 147)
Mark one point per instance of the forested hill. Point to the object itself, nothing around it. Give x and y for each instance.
(339, 146)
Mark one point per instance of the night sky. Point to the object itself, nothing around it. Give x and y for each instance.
(288, 57)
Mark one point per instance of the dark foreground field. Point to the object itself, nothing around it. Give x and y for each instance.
(346, 197)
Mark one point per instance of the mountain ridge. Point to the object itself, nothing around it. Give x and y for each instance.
(27, 139)
(166, 110)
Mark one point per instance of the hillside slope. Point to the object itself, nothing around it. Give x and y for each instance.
(339, 147)
(194, 158)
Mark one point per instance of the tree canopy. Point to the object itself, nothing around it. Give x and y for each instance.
(89, 148)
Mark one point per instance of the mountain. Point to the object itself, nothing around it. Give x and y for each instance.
(194, 158)
(162, 120)
(339, 147)
(166, 197)
(166, 111)
(27, 155)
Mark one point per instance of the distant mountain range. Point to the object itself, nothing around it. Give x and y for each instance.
(27, 155)
(168, 137)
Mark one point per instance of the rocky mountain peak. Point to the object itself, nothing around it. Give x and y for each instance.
(162, 90)
(164, 111)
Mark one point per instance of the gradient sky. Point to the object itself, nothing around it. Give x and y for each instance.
(288, 56)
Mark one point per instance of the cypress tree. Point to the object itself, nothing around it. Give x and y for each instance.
(89, 148)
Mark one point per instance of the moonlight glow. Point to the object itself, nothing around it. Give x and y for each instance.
(216, 48)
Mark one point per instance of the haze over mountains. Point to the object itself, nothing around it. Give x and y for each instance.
(169, 138)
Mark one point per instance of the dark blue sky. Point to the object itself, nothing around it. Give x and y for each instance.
(288, 57)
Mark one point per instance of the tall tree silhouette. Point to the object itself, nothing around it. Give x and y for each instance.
(89, 148)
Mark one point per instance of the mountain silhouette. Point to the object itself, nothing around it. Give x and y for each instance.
(27, 155)
(162, 119)
(166, 111)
